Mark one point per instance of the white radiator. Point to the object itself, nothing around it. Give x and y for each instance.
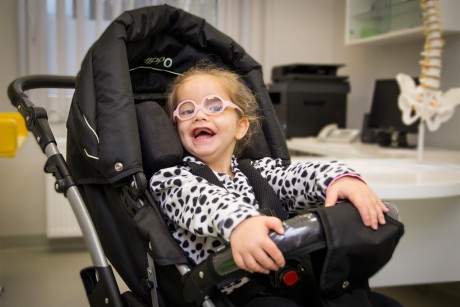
(60, 219)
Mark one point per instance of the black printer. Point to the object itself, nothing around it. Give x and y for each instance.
(307, 97)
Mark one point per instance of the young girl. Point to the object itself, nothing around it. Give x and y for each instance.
(213, 111)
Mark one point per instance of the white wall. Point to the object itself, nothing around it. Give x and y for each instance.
(22, 197)
(8, 50)
(297, 31)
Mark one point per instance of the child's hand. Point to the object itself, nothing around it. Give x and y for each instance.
(369, 205)
(252, 248)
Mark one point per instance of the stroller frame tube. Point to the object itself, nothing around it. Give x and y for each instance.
(37, 123)
(99, 281)
(87, 227)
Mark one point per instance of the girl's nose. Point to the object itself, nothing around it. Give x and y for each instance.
(200, 115)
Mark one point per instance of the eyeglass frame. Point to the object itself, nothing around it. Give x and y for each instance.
(225, 104)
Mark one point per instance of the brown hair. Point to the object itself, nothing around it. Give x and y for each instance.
(235, 88)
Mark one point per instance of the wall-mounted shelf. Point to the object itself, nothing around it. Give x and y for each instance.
(393, 21)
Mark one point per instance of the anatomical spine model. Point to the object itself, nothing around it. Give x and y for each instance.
(425, 101)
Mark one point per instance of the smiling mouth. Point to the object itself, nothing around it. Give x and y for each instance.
(203, 133)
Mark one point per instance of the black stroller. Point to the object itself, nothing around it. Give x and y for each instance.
(119, 135)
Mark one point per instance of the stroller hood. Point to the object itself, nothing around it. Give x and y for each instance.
(136, 57)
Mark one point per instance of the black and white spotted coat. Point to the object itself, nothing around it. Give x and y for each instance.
(201, 216)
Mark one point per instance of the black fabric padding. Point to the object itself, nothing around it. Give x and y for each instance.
(150, 223)
(355, 252)
(160, 144)
(258, 148)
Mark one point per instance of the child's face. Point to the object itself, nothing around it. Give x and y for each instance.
(211, 138)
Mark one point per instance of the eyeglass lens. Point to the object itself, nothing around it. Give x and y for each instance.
(210, 105)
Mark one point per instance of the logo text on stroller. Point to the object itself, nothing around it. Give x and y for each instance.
(167, 62)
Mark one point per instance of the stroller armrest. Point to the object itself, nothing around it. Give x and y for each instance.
(334, 228)
(303, 235)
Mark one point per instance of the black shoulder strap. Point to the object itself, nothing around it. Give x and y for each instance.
(205, 172)
(265, 195)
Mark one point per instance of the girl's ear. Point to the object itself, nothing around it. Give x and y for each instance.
(243, 126)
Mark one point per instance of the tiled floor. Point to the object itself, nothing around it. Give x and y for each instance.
(37, 277)
(43, 277)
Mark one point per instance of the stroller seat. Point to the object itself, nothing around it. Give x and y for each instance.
(119, 135)
(119, 105)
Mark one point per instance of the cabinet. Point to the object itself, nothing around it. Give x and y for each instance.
(393, 21)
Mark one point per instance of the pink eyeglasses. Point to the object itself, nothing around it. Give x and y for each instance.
(211, 105)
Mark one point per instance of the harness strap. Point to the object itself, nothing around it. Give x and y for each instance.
(269, 202)
(205, 172)
(265, 194)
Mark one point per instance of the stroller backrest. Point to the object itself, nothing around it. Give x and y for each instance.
(117, 126)
(133, 61)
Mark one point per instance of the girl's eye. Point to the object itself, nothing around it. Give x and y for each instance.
(186, 112)
(215, 108)
(213, 104)
(186, 109)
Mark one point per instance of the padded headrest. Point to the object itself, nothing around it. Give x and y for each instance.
(160, 144)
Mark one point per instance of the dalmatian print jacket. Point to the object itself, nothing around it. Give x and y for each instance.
(201, 216)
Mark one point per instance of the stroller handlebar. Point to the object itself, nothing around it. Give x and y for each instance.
(36, 117)
(17, 88)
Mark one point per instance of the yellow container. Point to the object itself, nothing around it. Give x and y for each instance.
(13, 133)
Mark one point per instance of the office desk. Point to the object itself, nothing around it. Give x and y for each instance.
(311, 146)
(428, 197)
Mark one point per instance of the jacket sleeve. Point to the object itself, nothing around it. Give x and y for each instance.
(198, 206)
(304, 184)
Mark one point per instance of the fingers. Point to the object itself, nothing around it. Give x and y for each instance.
(252, 248)
(368, 216)
(276, 225)
(276, 256)
(383, 209)
(331, 199)
(368, 204)
(250, 264)
(261, 260)
(377, 209)
(371, 212)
